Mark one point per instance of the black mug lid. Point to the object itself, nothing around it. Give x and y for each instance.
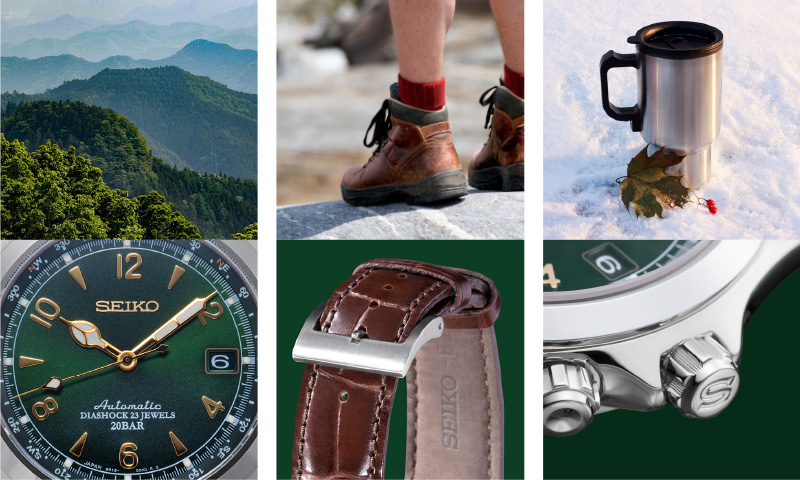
(678, 40)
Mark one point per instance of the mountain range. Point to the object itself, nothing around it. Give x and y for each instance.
(188, 120)
(217, 204)
(136, 39)
(60, 28)
(237, 69)
(210, 13)
(27, 12)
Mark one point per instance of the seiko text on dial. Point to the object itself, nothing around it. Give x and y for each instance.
(128, 359)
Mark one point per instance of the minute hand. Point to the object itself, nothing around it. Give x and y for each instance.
(173, 324)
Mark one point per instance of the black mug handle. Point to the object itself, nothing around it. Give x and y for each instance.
(633, 114)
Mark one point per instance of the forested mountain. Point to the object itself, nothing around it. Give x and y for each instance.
(36, 76)
(234, 68)
(218, 205)
(208, 126)
(237, 69)
(51, 193)
(136, 39)
(61, 28)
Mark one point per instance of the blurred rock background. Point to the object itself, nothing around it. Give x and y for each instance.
(336, 60)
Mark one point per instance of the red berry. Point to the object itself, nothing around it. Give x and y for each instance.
(713, 210)
(710, 202)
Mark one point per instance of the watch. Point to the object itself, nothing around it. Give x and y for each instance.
(129, 359)
(636, 325)
(392, 319)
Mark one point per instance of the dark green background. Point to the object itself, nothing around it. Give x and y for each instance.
(309, 272)
(755, 437)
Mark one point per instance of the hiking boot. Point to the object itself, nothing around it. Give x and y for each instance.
(414, 159)
(500, 164)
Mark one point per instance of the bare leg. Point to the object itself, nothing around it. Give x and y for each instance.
(510, 18)
(419, 30)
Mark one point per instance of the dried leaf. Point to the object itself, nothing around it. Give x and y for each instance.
(649, 188)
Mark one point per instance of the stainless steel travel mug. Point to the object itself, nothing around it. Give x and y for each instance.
(679, 67)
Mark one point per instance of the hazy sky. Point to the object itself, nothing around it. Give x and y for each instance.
(29, 11)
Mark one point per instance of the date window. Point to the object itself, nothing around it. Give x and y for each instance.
(222, 361)
(610, 261)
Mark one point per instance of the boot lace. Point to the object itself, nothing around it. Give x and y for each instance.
(488, 99)
(380, 125)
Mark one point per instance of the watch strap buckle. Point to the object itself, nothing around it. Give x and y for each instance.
(360, 353)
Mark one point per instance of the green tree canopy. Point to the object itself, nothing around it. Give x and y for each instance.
(250, 233)
(53, 193)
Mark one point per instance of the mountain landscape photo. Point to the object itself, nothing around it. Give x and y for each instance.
(234, 68)
(159, 98)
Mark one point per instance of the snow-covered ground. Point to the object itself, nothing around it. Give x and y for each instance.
(756, 172)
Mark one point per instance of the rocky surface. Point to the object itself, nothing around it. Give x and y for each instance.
(479, 215)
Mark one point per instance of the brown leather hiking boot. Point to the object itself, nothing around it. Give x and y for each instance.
(500, 164)
(414, 159)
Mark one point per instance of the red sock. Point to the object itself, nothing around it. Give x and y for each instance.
(427, 96)
(514, 81)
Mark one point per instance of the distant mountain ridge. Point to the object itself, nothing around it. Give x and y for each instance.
(59, 28)
(237, 69)
(218, 205)
(206, 125)
(136, 39)
(209, 13)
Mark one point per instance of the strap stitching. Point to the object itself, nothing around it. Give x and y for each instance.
(327, 324)
(415, 385)
(411, 308)
(311, 383)
(376, 425)
(489, 403)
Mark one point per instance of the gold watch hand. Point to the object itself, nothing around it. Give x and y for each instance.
(173, 324)
(54, 383)
(87, 335)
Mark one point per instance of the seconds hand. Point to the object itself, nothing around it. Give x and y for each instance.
(55, 383)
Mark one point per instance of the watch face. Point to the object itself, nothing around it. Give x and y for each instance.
(581, 264)
(129, 359)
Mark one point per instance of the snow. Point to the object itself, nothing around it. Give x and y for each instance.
(756, 158)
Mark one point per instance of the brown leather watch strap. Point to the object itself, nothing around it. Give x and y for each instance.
(455, 400)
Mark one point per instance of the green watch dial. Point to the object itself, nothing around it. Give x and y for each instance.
(132, 359)
(571, 265)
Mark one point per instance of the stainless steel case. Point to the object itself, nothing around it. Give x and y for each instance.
(673, 336)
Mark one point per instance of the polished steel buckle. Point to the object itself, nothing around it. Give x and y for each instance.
(362, 354)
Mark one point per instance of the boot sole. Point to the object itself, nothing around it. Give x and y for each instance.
(507, 179)
(437, 188)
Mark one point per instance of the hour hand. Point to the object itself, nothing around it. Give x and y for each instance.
(87, 335)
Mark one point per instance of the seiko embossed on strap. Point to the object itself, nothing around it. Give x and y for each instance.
(390, 319)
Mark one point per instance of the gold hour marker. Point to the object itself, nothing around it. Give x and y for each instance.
(180, 449)
(177, 273)
(25, 362)
(78, 276)
(77, 449)
(129, 274)
(48, 316)
(212, 407)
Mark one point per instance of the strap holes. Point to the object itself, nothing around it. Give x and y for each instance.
(343, 396)
(387, 287)
(374, 304)
(402, 275)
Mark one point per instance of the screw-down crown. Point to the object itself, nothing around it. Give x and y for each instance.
(699, 377)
